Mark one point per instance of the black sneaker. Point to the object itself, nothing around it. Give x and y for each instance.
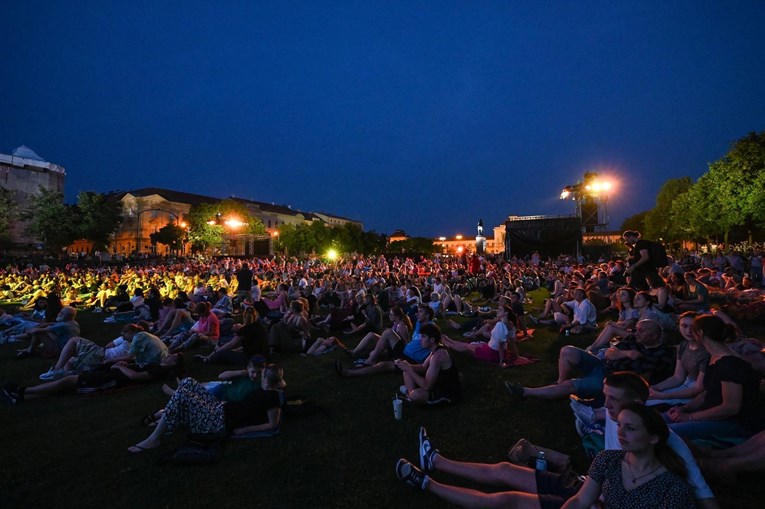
(427, 452)
(515, 390)
(411, 475)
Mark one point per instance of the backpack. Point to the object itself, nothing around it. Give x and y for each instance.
(657, 253)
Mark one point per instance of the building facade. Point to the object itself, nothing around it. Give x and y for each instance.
(23, 173)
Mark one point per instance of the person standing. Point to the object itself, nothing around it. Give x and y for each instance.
(640, 263)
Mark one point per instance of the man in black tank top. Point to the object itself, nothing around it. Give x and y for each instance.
(437, 379)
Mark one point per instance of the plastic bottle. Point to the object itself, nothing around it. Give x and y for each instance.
(541, 461)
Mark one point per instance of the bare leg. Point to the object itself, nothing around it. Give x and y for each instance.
(365, 344)
(380, 367)
(70, 348)
(502, 474)
(558, 391)
(62, 385)
(458, 346)
(567, 362)
(153, 440)
(465, 497)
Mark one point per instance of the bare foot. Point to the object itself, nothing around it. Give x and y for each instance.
(143, 446)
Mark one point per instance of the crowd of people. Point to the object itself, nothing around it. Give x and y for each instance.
(667, 366)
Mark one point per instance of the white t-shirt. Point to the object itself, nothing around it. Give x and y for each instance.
(121, 348)
(499, 334)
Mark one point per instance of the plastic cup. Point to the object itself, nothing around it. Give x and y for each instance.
(398, 408)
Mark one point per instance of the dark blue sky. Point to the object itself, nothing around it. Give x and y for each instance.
(416, 115)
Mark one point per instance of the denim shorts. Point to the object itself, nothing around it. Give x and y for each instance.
(593, 371)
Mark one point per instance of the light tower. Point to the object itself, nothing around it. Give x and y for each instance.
(591, 197)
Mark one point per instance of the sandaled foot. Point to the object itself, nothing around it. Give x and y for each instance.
(150, 420)
(140, 448)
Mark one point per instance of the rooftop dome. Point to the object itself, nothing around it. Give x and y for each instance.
(26, 153)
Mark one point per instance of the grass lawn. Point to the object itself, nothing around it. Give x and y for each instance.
(70, 450)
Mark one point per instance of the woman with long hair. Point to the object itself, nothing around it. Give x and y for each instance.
(692, 361)
(731, 405)
(646, 473)
(192, 406)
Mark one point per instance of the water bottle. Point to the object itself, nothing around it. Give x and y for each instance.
(541, 461)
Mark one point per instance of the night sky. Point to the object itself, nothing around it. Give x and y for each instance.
(417, 115)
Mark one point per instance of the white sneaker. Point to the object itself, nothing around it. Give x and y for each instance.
(583, 412)
(403, 390)
(52, 374)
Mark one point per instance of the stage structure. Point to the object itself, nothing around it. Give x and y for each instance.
(549, 235)
(591, 197)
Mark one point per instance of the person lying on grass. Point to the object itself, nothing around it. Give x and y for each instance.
(502, 338)
(112, 377)
(193, 407)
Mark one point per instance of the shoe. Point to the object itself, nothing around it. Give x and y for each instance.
(98, 310)
(583, 412)
(515, 390)
(20, 354)
(427, 452)
(403, 390)
(110, 319)
(411, 475)
(534, 319)
(52, 374)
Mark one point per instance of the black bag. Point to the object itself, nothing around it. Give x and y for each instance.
(657, 253)
(199, 449)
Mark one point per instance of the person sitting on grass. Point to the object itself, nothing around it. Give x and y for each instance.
(692, 362)
(413, 351)
(119, 374)
(205, 332)
(250, 338)
(584, 315)
(628, 317)
(176, 321)
(192, 406)
(530, 488)
(324, 345)
(372, 315)
(400, 330)
(437, 379)
(80, 354)
(646, 470)
(52, 336)
(502, 338)
(224, 306)
(234, 385)
(644, 353)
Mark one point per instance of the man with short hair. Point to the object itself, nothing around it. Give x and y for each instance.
(640, 263)
(53, 336)
(437, 379)
(644, 353)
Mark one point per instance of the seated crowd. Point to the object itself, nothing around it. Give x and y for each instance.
(668, 377)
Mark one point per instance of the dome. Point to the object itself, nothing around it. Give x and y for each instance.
(26, 153)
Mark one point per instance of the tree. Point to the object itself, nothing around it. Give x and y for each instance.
(209, 222)
(738, 180)
(413, 245)
(7, 214)
(97, 218)
(171, 235)
(636, 222)
(50, 220)
(661, 222)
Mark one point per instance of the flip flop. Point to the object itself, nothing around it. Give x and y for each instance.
(135, 449)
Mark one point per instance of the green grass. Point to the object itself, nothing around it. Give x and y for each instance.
(69, 450)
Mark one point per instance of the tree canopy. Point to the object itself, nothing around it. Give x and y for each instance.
(50, 220)
(8, 214)
(208, 222)
(96, 218)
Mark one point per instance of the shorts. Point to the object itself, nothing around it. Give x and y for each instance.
(593, 369)
(554, 489)
(89, 355)
(486, 353)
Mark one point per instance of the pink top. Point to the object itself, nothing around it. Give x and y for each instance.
(209, 326)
